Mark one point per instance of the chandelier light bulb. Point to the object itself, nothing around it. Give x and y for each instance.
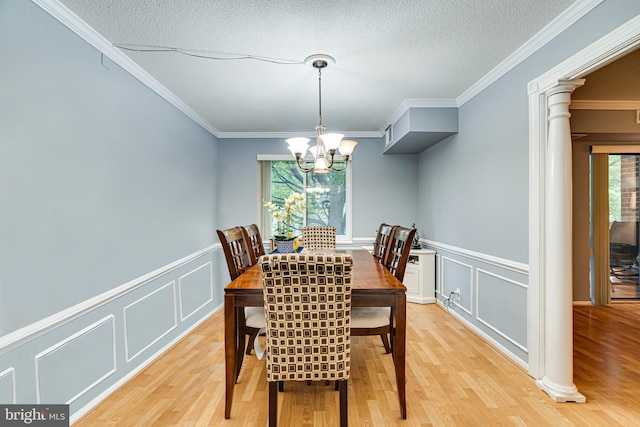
(346, 147)
(298, 146)
(331, 140)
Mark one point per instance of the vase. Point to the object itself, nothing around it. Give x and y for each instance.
(285, 246)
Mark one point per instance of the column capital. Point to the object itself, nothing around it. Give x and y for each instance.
(565, 86)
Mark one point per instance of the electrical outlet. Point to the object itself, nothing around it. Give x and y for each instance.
(457, 293)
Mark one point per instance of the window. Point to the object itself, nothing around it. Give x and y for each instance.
(328, 196)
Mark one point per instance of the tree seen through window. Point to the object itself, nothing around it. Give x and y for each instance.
(325, 194)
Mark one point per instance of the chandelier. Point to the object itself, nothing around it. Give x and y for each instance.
(326, 143)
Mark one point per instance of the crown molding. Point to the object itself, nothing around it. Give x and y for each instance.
(555, 27)
(586, 104)
(617, 43)
(95, 39)
(285, 135)
(81, 28)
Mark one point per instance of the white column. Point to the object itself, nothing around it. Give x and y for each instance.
(558, 298)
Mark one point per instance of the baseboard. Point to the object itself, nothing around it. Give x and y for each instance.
(495, 344)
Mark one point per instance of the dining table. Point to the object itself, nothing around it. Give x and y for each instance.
(372, 285)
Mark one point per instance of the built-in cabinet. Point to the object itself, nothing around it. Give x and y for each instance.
(419, 276)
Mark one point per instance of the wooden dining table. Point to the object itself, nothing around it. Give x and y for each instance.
(371, 286)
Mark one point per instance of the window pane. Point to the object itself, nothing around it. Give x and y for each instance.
(286, 178)
(326, 196)
(614, 188)
(326, 200)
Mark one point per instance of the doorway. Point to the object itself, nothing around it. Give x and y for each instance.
(614, 206)
(624, 179)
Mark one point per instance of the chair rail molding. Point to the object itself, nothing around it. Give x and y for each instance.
(19, 337)
(515, 266)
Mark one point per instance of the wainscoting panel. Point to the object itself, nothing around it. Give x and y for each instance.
(8, 386)
(195, 290)
(81, 355)
(510, 320)
(493, 295)
(149, 319)
(458, 275)
(62, 374)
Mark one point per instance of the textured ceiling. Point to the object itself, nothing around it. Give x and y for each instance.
(386, 52)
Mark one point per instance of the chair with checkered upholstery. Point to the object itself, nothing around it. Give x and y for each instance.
(307, 302)
(315, 237)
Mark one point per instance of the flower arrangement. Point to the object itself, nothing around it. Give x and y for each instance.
(283, 215)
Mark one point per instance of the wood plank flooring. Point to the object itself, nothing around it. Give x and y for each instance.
(454, 378)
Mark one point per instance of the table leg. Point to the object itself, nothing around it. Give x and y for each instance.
(400, 345)
(392, 331)
(230, 348)
(240, 339)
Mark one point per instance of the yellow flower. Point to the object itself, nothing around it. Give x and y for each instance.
(292, 204)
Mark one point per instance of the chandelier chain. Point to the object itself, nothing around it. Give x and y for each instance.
(320, 98)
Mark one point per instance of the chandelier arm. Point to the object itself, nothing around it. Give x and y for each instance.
(302, 167)
(332, 164)
(329, 160)
(339, 169)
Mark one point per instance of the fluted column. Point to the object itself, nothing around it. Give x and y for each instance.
(558, 299)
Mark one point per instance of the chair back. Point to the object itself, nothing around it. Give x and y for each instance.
(382, 240)
(319, 237)
(624, 232)
(398, 251)
(237, 251)
(255, 240)
(307, 304)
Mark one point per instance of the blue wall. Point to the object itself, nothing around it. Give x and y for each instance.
(107, 217)
(473, 188)
(384, 187)
(101, 180)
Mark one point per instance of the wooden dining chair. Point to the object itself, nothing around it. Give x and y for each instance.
(307, 301)
(239, 256)
(367, 321)
(255, 240)
(382, 239)
(398, 251)
(237, 251)
(318, 237)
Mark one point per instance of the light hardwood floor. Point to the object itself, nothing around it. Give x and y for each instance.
(454, 378)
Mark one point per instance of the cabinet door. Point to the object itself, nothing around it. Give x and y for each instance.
(412, 279)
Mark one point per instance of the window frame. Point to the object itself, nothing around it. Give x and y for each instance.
(264, 192)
